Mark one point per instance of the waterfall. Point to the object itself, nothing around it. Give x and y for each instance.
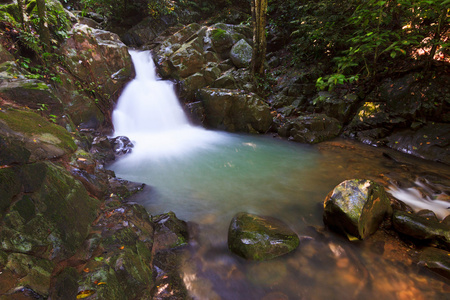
(149, 113)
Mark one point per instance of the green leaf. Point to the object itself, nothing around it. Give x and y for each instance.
(393, 54)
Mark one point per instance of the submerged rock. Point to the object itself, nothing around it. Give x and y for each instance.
(260, 238)
(436, 260)
(356, 207)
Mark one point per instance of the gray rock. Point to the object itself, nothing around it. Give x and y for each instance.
(241, 54)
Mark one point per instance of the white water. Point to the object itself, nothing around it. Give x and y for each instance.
(417, 201)
(149, 113)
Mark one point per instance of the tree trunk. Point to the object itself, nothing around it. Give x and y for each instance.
(22, 16)
(44, 32)
(259, 10)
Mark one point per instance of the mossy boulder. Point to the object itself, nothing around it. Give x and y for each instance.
(27, 131)
(235, 111)
(241, 54)
(356, 207)
(49, 212)
(422, 229)
(259, 238)
(17, 88)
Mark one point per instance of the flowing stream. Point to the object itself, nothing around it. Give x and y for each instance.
(206, 177)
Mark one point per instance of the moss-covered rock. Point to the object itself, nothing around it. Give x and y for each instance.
(53, 216)
(260, 238)
(356, 207)
(235, 111)
(241, 54)
(32, 93)
(28, 131)
(35, 273)
(123, 271)
(421, 228)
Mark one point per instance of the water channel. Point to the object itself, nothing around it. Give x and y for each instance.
(206, 177)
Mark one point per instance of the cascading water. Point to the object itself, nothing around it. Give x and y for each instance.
(148, 112)
(206, 177)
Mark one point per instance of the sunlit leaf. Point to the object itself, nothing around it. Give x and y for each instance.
(85, 294)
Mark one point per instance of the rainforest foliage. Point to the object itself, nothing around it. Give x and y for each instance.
(348, 39)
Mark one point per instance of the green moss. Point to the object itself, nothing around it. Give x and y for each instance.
(33, 125)
(218, 34)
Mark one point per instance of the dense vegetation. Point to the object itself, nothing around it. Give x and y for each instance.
(363, 38)
(345, 40)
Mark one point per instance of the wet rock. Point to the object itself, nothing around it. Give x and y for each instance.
(241, 54)
(196, 112)
(356, 207)
(170, 232)
(436, 260)
(421, 229)
(260, 238)
(429, 142)
(28, 132)
(51, 213)
(235, 111)
(314, 128)
(123, 270)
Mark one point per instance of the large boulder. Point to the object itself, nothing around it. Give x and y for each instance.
(314, 128)
(260, 238)
(356, 207)
(99, 62)
(235, 111)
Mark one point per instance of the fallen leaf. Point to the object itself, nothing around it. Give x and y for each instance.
(85, 294)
